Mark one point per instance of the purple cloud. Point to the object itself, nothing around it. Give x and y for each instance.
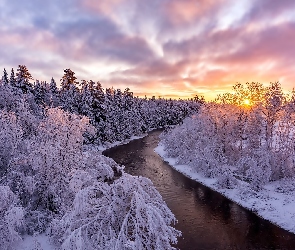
(176, 47)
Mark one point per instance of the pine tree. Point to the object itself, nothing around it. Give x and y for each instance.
(98, 101)
(23, 76)
(40, 93)
(12, 78)
(53, 94)
(52, 86)
(5, 80)
(69, 93)
(68, 80)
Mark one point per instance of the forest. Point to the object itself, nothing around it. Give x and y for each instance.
(115, 114)
(247, 134)
(53, 179)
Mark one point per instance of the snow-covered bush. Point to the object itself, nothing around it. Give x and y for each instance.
(126, 214)
(8, 99)
(11, 218)
(10, 137)
(104, 168)
(40, 173)
(227, 180)
(195, 143)
(54, 153)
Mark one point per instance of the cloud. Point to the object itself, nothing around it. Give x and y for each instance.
(187, 11)
(169, 46)
(103, 7)
(269, 9)
(102, 39)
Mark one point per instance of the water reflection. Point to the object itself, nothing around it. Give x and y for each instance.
(206, 218)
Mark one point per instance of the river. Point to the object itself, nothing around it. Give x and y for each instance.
(207, 219)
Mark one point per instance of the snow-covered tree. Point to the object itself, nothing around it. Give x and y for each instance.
(12, 78)
(69, 92)
(52, 100)
(10, 137)
(57, 151)
(127, 214)
(11, 219)
(250, 129)
(5, 80)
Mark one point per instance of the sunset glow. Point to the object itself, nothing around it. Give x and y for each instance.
(247, 102)
(156, 48)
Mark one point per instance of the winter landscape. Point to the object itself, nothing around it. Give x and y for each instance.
(209, 84)
(58, 190)
(241, 145)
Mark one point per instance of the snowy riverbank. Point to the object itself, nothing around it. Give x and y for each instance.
(274, 202)
(108, 145)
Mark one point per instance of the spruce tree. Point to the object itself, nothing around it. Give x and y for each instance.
(69, 93)
(12, 78)
(53, 94)
(5, 80)
(23, 76)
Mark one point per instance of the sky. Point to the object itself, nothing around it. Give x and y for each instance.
(167, 48)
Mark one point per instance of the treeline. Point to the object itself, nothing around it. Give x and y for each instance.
(244, 135)
(116, 114)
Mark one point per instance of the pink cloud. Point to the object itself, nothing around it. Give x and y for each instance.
(105, 7)
(185, 11)
(32, 38)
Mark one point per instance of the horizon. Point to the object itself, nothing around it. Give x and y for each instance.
(144, 95)
(157, 48)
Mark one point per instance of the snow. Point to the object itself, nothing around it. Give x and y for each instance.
(40, 241)
(268, 203)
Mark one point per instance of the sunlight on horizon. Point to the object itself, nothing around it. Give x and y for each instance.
(247, 102)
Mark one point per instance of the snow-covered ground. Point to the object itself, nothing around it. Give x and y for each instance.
(270, 203)
(37, 242)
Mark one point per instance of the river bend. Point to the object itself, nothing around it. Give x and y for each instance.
(207, 219)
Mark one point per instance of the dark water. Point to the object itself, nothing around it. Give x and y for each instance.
(207, 219)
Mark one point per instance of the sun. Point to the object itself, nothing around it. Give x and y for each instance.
(247, 102)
